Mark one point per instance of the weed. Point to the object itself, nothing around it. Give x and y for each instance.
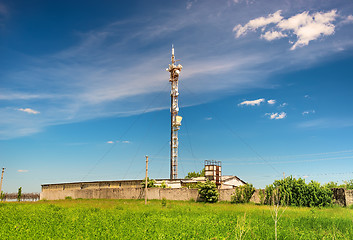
(242, 227)
(164, 202)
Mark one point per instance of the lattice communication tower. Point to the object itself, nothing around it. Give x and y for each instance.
(175, 118)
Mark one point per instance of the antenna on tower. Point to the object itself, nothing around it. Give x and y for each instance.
(175, 120)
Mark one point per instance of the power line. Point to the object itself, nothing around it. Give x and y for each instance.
(284, 162)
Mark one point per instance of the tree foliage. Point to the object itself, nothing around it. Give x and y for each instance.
(208, 191)
(243, 194)
(196, 174)
(2, 196)
(348, 184)
(150, 183)
(296, 192)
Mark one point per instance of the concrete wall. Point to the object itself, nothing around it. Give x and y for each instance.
(131, 193)
(349, 197)
(225, 194)
(341, 196)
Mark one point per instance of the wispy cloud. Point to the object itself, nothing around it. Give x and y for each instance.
(112, 70)
(256, 102)
(327, 123)
(28, 110)
(22, 171)
(110, 142)
(208, 118)
(276, 115)
(256, 23)
(271, 101)
(308, 112)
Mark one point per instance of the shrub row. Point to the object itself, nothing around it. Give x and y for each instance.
(295, 192)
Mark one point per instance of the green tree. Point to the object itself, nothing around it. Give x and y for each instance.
(208, 191)
(331, 185)
(296, 192)
(243, 194)
(196, 174)
(150, 183)
(348, 184)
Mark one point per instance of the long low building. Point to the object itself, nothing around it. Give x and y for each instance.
(127, 189)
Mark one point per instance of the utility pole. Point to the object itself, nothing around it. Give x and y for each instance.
(175, 119)
(146, 179)
(2, 177)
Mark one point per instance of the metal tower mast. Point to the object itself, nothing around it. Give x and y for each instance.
(2, 177)
(175, 119)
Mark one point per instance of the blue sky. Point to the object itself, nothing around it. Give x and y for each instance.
(266, 88)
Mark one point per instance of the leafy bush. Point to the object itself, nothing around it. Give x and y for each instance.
(243, 194)
(262, 196)
(331, 185)
(163, 185)
(150, 183)
(68, 198)
(164, 202)
(296, 192)
(348, 184)
(208, 191)
(2, 196)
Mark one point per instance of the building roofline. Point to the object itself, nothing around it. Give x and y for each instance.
(132, 180)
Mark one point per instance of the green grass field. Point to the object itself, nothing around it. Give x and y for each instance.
(131, 219)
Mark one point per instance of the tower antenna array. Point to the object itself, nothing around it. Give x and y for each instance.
(175, 118)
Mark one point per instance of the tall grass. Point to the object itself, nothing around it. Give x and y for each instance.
(131, 219)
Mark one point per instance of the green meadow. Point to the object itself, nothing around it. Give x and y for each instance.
(132, 219)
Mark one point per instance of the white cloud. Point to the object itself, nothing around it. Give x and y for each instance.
(304, 26)
(276, 115)
(271, 101)
(125, 141)
(28, 110)
(208, 118)
(272, 35)
(308, 112)
(283, 105)
(252, 103)
(101, 76)
(110, 142)
(257, 23)
(347, 20)
(22, 171)
(311, 27)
